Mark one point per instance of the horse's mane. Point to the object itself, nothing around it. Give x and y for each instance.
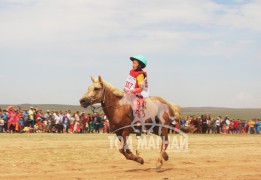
(115, 91)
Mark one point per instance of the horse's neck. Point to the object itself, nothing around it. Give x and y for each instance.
(110, 103)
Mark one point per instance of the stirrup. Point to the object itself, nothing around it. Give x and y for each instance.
(138, 123)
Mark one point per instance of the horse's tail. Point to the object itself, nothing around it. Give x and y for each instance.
(189, 129)
(176, 109)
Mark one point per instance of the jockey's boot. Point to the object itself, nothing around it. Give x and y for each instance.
(138, 125)
(138, 132)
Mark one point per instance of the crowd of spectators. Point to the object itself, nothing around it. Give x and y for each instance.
(34, 120)
(205, 124)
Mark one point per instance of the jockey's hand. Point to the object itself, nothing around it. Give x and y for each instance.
(127, 91)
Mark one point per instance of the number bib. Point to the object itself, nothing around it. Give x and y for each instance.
(130, 83)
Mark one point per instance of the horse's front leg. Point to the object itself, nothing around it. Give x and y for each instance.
(124, 148)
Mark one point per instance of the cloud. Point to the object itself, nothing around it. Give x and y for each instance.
(47, 21)
(90, 27)
(248, 99)
(245, 16)
(98, 35)
(243, 96)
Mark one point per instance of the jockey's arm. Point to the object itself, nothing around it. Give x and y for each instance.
(140, 79)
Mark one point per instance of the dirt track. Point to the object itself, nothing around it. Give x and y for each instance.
(75, 156)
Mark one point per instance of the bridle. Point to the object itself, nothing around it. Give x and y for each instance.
(102, 97)
(95, 99)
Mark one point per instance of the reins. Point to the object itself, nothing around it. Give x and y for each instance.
(93, 108)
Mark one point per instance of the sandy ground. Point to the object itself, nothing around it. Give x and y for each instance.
(77, 156)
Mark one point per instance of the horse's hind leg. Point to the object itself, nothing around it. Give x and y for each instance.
(164, 145)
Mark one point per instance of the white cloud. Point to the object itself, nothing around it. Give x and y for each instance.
(247, 16)
(245, 97)
(47, 21)
(84, 33)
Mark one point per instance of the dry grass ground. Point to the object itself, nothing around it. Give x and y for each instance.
(77, 156)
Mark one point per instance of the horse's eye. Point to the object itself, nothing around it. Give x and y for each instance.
(96, 89)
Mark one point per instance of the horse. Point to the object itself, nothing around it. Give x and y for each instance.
(118, 110)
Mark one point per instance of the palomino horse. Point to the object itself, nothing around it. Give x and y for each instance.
(118, 110)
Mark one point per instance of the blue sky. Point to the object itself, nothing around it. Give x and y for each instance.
(200, 53)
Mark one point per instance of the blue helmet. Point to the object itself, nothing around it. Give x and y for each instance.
(141, 59)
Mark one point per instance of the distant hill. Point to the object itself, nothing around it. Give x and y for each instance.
(51, 107)
(242, 113)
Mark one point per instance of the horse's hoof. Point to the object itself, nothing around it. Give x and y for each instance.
(121, 151)
(158, 166)
(159, 163)
(165, 156)
(140, 160)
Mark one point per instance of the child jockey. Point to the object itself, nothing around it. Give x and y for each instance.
(137, 86)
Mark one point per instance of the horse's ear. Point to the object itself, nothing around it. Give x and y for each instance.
(93, 80)
(100, 79)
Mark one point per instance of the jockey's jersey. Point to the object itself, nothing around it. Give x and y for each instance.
(137, 80)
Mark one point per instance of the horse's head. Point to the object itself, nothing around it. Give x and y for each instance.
(94, 94)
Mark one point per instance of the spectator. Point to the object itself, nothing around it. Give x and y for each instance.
(218, 124)
(2, 123)
(72, 121)
(107, 128)
(247, 128)
(252, 126)
(204, 124)
(83, 120)
(236, 126)
(65, 122)
(77, 123)
(183, 122)
(39, 115)
(21, 124)
(101, 121)
(208, 125)
(25, 117)
(258, 126)
(31, 116)
(47, 116)
(94, 122)
(227, 125)
(56, 121)
(213, 127)
(5, 117)
(60, 126)
(90, 124)
(39, 127)
(243, 125)
(231, 127)
(45, 125)
(13, 116)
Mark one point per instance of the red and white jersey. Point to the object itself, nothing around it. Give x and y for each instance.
(132, 82)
